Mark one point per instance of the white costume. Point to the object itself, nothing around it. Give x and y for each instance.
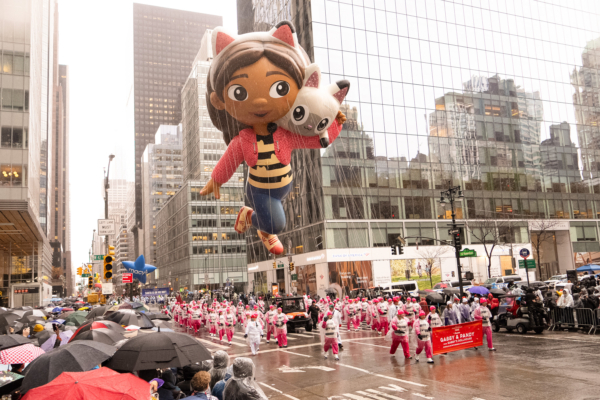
(254, 332)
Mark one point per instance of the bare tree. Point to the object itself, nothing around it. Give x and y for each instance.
(487, 230)
(544, 229)
(431, 254)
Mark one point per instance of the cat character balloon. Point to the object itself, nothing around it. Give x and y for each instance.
(316, 106)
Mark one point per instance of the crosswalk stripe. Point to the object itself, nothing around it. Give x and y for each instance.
(356, 397)
(218, 346)
(291, 352)
(385, 394)
(393, 387)
(371, 395)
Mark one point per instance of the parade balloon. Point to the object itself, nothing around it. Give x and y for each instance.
(139, 268)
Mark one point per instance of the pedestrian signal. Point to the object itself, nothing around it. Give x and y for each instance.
(108, 263)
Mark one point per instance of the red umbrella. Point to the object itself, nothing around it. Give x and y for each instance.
(20, 354)
(103, 383)
(79, 302)
(67, 309)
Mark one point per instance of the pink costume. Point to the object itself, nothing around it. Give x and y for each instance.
(270, 324)
(483, 314)
(331, 330)
(213, 321)
(229, 326)
(280, 322)
(196, 321)
(423, 331)
(383, 318)
(400, 334)
(222, 321)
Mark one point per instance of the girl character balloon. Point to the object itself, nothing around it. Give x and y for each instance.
(253, 82)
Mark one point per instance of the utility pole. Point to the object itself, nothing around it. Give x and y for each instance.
(451, 195)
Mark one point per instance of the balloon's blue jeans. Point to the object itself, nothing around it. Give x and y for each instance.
(268, 215)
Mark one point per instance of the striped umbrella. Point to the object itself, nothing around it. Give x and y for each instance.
(20, 354)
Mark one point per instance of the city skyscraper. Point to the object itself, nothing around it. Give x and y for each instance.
(441, 94)
(60, 225)
(26, 150)
(165, 43)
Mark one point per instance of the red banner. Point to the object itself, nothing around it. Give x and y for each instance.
(446, 339)
(127, 278)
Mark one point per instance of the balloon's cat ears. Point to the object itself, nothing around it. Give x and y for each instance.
(283, 32)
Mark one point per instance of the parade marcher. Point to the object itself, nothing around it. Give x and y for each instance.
(229, 324)
(280, 322)
(383, 318)
(399, 334)
(196, 321)
(465, 311)
(253, 333)
(449, 315)
(423, 332)
(337, 318)
(434, 319)
(392, 309)
(213, 319)
(331, 333)
(456, 309)
(222, 321)
(483, 314)
(270, 324)
(364, 310)
(374, 315)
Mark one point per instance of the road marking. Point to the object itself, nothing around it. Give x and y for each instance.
(385, 394)
(370, 395)
(291, 397)
(393, 387)
(291, 352)
(383, 376)
(272, 388)
(356, 397)
(423, 396)
(286, 368)
(218, 346)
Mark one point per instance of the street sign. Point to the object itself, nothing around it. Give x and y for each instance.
(127, 278)
(528, 264)
(85, 275)
(107, 288)
(467, 253)
(98, 257)
(106, 227)
(453, 231)
(524, 253)
(294, 277)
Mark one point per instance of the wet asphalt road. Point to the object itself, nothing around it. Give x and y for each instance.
(551, 365)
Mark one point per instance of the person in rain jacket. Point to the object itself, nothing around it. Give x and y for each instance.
(566, 300)
(337, 318)
(219, 368)
(483, 314)
(253, 333)
(400, 331)
(243, 385)
(423, 332)
(270, 316)
(465, 311)
(280, 320)
(331, 333)
(449, 315)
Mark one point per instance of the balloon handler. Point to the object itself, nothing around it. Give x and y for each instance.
(252, 89)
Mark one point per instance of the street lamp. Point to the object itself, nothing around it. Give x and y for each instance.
(450, 196)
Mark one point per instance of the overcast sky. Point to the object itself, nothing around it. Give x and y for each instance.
(96, 42)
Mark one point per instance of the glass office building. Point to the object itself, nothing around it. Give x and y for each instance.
(499, 98)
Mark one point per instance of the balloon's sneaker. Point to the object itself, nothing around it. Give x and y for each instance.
(243, 220)
(271, 242)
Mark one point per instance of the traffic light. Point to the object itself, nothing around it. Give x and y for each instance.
(90, 282)
(457, 244)
(108, 262)
(394, 251)
(79, 271)
(292, 266)
(274, 265)
(400, 249)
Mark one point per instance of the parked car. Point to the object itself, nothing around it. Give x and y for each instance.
(501, 281)
(410, 287)
(537, 285)
(439, 287)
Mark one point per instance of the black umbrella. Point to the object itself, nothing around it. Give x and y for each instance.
(497, 292)
(8, 341)
(435, 298)
(127, 319)
(158, 350)
(102, 335)
(32, 320)
(163, 317)
(451, 291)
(42, 336)
(82, 355)
(8, 319)
(96, 312)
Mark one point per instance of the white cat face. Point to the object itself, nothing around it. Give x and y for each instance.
(315, 107)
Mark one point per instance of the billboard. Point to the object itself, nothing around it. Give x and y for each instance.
(155, 292)
(417, 269)
(349, 275)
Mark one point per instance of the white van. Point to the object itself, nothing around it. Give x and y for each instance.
(412, 287)
(501, 281)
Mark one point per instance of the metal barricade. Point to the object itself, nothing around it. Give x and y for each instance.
(575, 318)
